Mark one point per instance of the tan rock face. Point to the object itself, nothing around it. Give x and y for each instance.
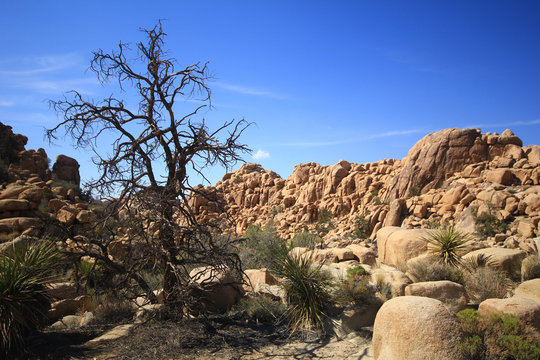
(450, 293)
(508, 260)
(529, 289)
(412, 328)
(396, 246)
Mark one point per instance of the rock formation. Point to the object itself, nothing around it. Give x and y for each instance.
(448, 176)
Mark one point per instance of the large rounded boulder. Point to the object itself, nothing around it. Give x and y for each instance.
(416, 328)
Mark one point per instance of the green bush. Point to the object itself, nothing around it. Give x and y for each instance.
(413, 191)
(257, 250)
(447, 243)
(305, 239)
(324, 215)
(307, 289)
(355, 290)
(356, 271)
(361, 227)
(24, 271)
(499, 336)
(428, 270)
(487, 224)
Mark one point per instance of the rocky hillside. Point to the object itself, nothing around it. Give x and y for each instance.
(32, 193)
(448, 176)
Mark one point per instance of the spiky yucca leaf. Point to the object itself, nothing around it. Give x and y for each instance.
(307, 288)
(448, 244)
(24, 271)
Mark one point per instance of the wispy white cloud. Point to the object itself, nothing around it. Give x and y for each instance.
(33, 65)
(510, 123)
(6, 103)
(352, 140)
(248, 90)
(261, 154)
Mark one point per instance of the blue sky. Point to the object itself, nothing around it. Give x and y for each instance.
(322, 80)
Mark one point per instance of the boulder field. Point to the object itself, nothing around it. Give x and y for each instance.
(448, 176)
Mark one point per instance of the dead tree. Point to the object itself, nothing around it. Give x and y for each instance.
(144, 176)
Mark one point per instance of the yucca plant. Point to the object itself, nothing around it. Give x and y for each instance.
(307, 288)
(447, 243)
(24, 271)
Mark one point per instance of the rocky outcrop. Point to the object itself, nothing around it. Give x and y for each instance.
(527, 310)
(67, 169)
(439, 155)
(447, 176)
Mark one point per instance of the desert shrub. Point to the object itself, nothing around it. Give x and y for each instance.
(276, 210)
(361, 227)
(530, 267)
(24, 271)
(499, 336)
(305, 239)
(307, 288)
(447, 243)
(324, 215)
(487, 224)
(429, 270)
(413, 191)
(113, 310)
(485, 283)
(257, 250)
(356, 271)
(355, 290)
(260, 309)
(383, 287)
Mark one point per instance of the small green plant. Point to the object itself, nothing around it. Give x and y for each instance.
(305, 239)
(377, 200)
(257, 250)
(276, 210)
(324, 216)
(413, 191)
(499, 336)
(361, 227)
(530, 267)
(487, 223)
(447, 243)
(355, 291)
(307, 288)
(24, 271)
(356, 271)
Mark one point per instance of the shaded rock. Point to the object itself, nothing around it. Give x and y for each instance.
(67, 169)
(19, 224)
(415, 328)
(65, 307)
(363, 254)
(221, 289)
(257, 277)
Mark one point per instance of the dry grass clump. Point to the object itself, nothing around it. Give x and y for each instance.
(485, 283)
(530, 267)
(113, 311)
(425, 269)
(259, 309)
